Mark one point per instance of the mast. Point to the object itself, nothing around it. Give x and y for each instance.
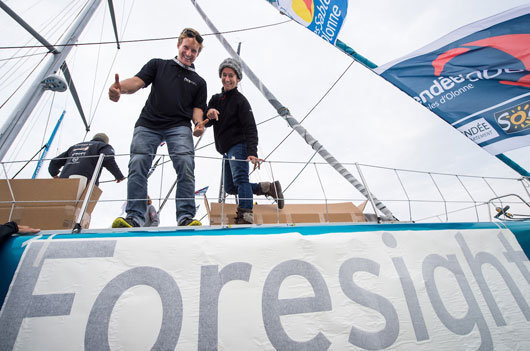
(19, 116)
(293, 123)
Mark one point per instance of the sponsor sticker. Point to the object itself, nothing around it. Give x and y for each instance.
(478, 131)
(514, 119)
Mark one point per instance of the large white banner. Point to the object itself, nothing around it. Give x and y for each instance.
(399, 290)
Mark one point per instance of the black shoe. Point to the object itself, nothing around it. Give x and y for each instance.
(190, 222)
(121, 222)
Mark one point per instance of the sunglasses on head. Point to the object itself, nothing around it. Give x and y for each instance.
(192, 34)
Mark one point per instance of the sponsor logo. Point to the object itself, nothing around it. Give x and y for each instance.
(328, 20)
(514, 119)
(322, 17)
(83, 148)
(305, 9)
(479, 131)
(190, 81)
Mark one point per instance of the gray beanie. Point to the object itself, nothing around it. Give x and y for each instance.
(101, 137)
(233, 64)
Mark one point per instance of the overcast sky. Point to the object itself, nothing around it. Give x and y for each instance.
(363, 119)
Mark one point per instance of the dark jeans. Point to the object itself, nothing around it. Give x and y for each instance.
(143, 149)
(236, 175)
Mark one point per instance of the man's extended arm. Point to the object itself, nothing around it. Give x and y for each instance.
(110, 163)
(127, 86)
(57, 163)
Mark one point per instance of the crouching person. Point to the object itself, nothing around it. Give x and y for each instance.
(236, 138)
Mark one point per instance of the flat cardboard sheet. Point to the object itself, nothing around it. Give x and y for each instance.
(342, 212)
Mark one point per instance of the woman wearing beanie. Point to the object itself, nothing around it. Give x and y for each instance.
(236, 138)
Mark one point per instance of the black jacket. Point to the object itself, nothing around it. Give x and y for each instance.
(82, 158)
(236, 123)
(7, 229)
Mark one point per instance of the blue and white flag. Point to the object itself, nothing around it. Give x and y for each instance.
(323, 17)
(202, 191)
(476, 78)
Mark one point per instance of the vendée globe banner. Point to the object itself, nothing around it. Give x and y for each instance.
(323, 17)
(476, 78)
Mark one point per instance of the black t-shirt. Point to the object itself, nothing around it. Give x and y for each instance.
(174, 93)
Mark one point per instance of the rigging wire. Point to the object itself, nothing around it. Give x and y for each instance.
(22, 83)
(16, 65)
(74, 19)
(45, 29)
(47, 120)
(111, 67)
(51, 24)
(26, 78)
(146, 40)
(23, 137)
(97, 61)
(23, 56)
(303, 168)
(12, 71)
(329, 90)
(307, 115)
(32, 6)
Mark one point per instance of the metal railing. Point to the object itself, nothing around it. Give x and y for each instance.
(426, 199)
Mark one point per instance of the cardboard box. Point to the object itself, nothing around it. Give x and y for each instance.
(291, 213)
(45, 203)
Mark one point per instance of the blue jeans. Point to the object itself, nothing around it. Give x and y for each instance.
(143, 149)
(236, 175)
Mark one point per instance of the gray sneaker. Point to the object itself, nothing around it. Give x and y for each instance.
(273, 190)
(244, 216)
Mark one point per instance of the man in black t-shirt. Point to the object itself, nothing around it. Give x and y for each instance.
(177, 98)
(82, 158)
